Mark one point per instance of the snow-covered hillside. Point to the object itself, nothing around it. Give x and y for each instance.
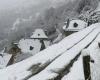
(52, 62)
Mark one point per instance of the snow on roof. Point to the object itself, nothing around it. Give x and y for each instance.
(2, 52)
(51, 53)
(76, 72)
(4, 60)
(85, 52)
(94, 52)
(75, 25)
(21, 57)
(39, 33)
(62, 61)
(7, 58)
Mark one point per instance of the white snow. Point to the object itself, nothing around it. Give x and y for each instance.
(51, 53)
(65, 59)
(39, 33)
(59, 38)
(85, 52)
(94, 52)
(47, 43)
(81, 25)
(22, 75)
(76, 72)
(4, 59)
(1, 62)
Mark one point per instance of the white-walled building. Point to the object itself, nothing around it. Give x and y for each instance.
(37, 42)
(74, 25)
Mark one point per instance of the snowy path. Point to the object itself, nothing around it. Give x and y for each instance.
(57, 66)
(59, 54)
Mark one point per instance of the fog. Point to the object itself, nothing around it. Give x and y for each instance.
(5, 4)
(27, 12)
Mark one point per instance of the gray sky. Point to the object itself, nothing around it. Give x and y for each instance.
(4, 4)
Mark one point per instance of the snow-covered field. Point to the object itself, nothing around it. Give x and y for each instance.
(58, 56)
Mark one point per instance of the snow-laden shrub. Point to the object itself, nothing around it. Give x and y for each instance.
(90, 17)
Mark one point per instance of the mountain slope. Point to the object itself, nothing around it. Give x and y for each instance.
(52, 56)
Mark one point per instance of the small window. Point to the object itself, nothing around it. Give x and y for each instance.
(99, 45)
(31, 48)
(75, 25)
(38, 34)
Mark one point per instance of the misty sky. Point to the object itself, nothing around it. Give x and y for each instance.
(4, 4)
